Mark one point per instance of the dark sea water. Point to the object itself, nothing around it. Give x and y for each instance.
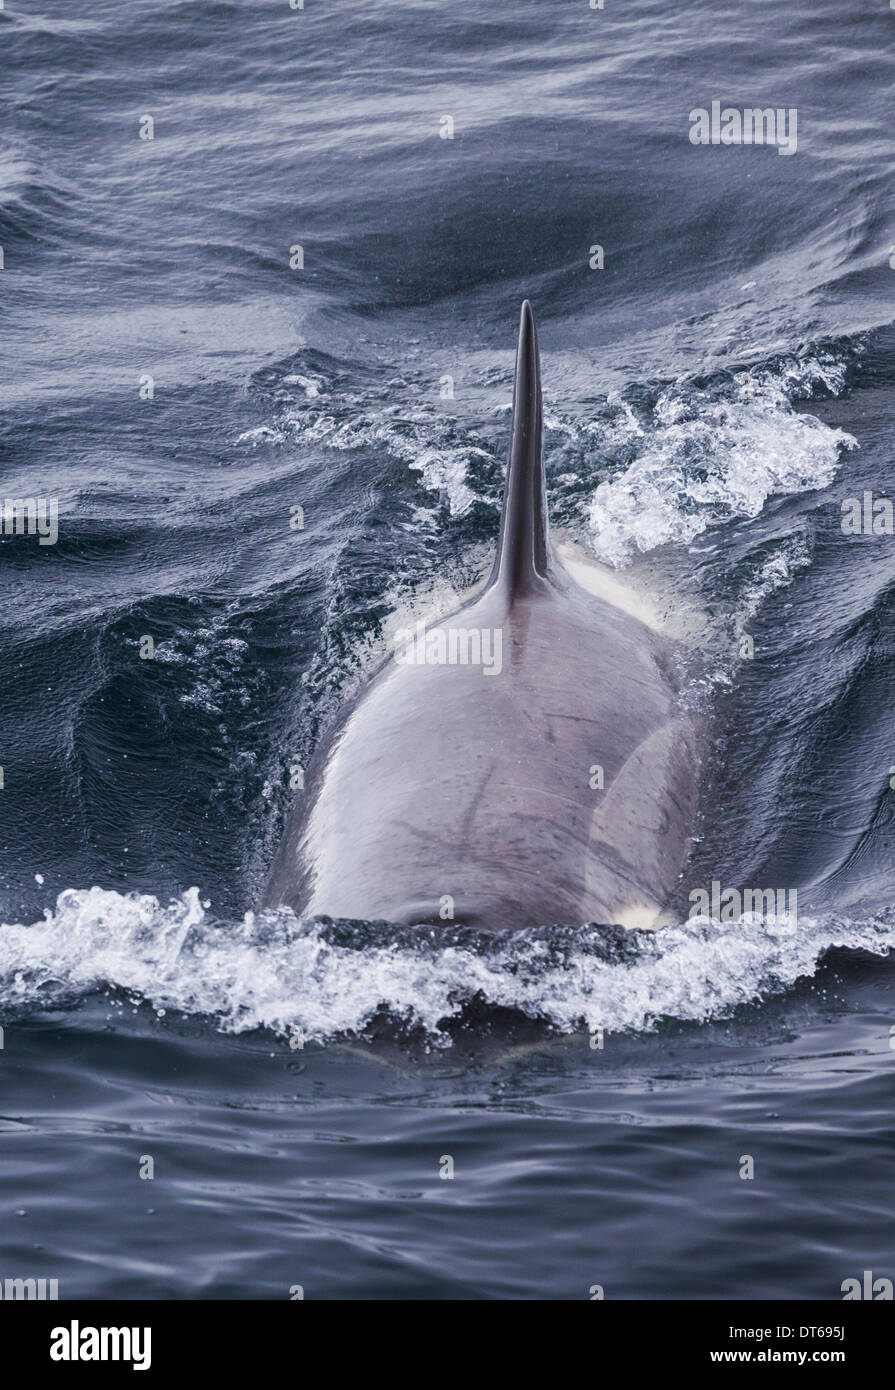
(712, 395)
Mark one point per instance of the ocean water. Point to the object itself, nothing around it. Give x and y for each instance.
(300, 294)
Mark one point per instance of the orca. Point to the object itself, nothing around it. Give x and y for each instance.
(524, 761)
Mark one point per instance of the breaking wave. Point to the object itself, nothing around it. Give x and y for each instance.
(704, 454)
(329, 979)
(644, 467)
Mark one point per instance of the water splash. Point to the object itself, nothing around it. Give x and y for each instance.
(709, 454)
(329, 979)
(649, 466)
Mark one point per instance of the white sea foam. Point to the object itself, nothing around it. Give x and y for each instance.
(710, 456)
(691, 458)
(411, 433)
(273, 971)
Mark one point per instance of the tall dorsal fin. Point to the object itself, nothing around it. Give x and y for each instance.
(522, 551)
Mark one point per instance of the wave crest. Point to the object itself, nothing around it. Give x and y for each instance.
(329, 979)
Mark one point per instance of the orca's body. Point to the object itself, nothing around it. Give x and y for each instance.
(464, 783)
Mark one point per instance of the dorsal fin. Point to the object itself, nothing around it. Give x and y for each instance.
(522, 557)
